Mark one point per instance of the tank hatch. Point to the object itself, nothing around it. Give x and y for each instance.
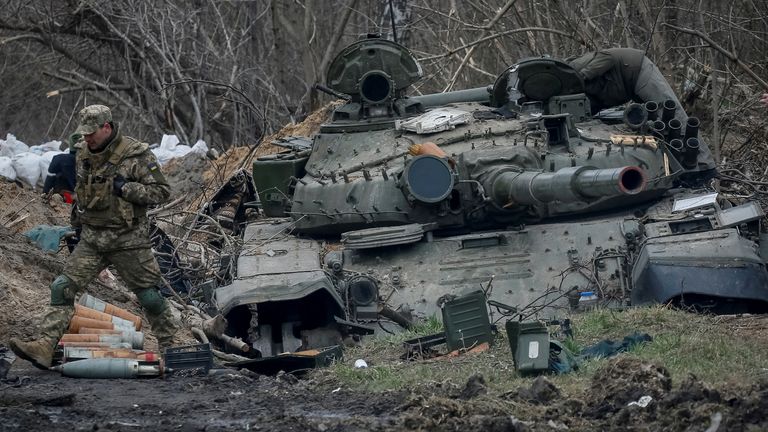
(536, 79)
(373, 69)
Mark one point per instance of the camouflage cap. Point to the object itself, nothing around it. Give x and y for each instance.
(92, 118)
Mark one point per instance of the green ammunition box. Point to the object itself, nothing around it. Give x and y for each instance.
(529, 342)
(272, 178)
(466, 321)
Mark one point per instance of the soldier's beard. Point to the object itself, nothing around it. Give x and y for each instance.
(104, 144)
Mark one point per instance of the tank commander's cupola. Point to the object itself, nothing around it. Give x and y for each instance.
(374, 73)
(543, 85)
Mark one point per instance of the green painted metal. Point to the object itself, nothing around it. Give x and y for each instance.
(466, 321)
(272, 176)
(529, 342)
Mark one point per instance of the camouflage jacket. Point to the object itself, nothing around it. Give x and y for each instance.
(610, 75)
(111, 221)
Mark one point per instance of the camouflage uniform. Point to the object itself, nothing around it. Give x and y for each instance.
(115, 230)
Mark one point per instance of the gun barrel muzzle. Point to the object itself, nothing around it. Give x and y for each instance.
(691, 153)
(658, 128)
(676, 146)
(692, 128)
(635, 116)
(652, 108)
(668, 110)
(674, 129)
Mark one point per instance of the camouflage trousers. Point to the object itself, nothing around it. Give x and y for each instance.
(136, 266)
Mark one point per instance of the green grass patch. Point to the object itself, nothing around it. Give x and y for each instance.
(716, 350)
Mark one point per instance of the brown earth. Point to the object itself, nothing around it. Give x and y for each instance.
(241, 400)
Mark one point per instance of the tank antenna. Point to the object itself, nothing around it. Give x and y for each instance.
(392, 20)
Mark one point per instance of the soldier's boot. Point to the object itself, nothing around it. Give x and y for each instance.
(40, 351)
(159, 315)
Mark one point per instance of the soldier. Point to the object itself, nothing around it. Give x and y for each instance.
(117, 178)
(615, 76)
(61, 172)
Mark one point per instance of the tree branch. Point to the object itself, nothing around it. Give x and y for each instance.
(495, 36)
(732, 57)
(468, 55)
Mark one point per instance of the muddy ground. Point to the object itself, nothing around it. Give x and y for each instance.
(232, 400)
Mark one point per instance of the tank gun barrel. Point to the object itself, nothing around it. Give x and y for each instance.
(510, 188)
(477, 94)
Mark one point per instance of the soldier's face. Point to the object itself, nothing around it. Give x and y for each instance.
(97, 139)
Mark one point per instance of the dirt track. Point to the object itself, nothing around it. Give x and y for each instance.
(229, 401)
(235, 400)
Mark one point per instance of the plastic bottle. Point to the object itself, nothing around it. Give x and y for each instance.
(587, 300)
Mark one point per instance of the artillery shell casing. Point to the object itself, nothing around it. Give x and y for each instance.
(135, 338)
(73, 353)
(77, 322)
(101, 316)
(104, 368)
(92, 302)
(98, 345)
(72, 337)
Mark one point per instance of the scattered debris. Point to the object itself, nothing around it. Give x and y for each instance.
(623, 380)
(292, 363)
(608, 348)
(642, 402)
(716, 419)
(7, 357)
(47, 237)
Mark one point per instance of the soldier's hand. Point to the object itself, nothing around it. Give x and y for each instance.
(764, 99)
(117, 185)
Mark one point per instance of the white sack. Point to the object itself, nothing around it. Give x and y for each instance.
(6, 168)
(27, 166)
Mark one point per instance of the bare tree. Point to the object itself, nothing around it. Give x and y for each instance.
(229, 72)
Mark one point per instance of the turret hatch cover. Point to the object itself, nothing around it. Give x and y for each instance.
(538, 79)
(383, 55)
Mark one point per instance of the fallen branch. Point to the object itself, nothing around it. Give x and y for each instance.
(166, 207)
(17, 221)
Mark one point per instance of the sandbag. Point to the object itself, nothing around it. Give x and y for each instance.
(169, 142)
(6, 168)
(10, 147)
(46, 147)
(200, 148)
(27, 166)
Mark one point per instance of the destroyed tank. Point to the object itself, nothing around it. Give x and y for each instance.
(400, 203)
